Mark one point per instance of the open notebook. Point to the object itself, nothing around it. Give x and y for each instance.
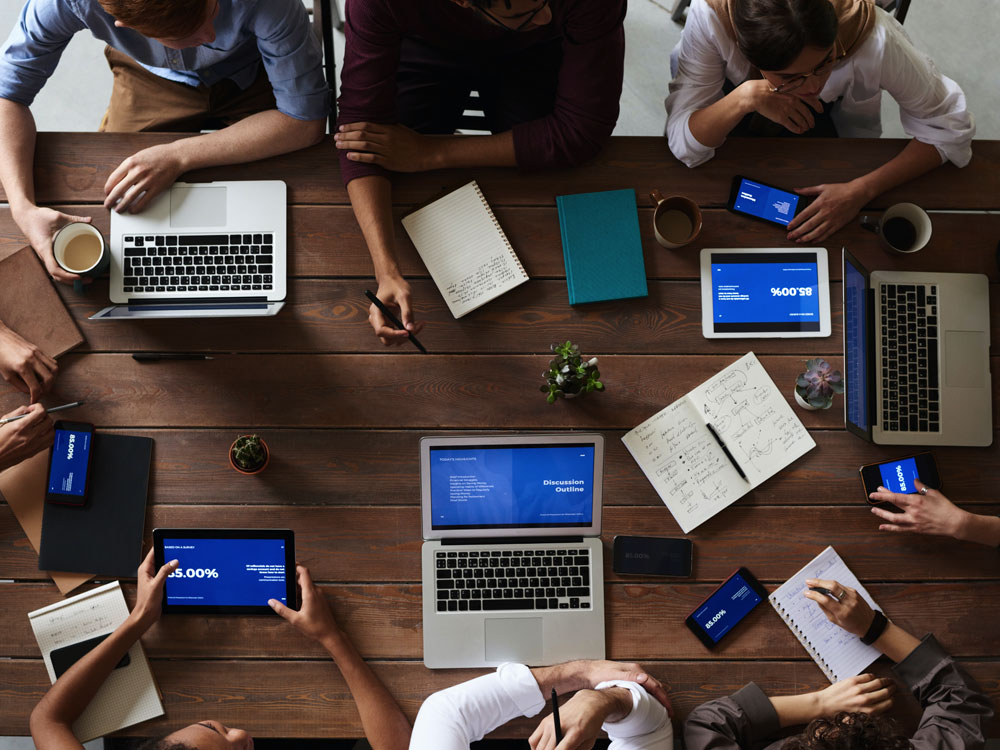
(129, 695)
(838, 653)
(686, 465)
(465, 250)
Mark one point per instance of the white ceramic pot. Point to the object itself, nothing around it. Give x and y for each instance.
(802, 402)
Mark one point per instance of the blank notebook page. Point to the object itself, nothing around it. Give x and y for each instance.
(838, 653)
(465, 250)
(129, 695)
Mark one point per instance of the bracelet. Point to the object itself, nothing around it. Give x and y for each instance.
(875, 630)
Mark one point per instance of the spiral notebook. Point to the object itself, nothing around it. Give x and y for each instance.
(838, 653)
(465, 250)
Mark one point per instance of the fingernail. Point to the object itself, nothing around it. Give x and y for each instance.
(175, 563)
(881, 488)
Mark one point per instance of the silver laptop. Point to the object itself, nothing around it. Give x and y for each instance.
(916, 356)
(200, 250)
(513, 567)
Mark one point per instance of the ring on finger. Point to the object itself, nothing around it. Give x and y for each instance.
(922, 490)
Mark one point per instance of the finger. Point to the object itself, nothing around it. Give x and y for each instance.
(405, 313)
(824, 583)
(116, 176)
(896, 518)
(896, 498)
(280, 608)
(819, 233)
(144, 199)
(146, 566)
(46, 377)
(805, 113)
(807, 226)
(364, 157)
(358, 144)
(881, 707)
(804, 214)
(304, 576)
(812, 101)
(811, 190)
(49, 362)
(130, 195)
(366, 126)
(19, 410)
(165, 570)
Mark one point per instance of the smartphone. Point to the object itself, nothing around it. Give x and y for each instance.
(652, 555)
(65, 657)
(763, 202)
(725, 607)
(69, 463)
(898, 476)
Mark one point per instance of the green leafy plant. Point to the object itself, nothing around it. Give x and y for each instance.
(249, 453)
(568, 375)
(818, 384)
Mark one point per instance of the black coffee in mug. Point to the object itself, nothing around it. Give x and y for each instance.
(900, 233)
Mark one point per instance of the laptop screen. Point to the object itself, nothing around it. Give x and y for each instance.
(856, 345)
(512, 486)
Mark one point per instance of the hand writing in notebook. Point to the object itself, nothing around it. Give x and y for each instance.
(394, 292)
(843, 607)
(24, 438)
(26, 367)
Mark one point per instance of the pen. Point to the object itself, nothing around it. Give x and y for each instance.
(47, 411)
(555, 717)
(726, 450)
(153, 357)
(393, 319)
(822, 590)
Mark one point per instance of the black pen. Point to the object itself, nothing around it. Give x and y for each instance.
(555, 717)
(827, 592)
(725, 450)
(154, 357)
(393, 320)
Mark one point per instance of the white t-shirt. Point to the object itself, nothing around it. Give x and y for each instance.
(452, 719)
(932, 107)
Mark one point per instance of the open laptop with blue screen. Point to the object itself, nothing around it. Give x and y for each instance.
(512, 563)
(916, 356)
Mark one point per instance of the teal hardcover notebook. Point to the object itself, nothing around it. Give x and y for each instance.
(602, 248)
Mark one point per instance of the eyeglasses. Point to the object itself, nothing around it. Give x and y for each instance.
(528, 17)
(822, 69)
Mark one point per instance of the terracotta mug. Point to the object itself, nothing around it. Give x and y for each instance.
(676, 220)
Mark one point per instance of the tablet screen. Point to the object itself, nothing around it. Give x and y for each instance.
(765, 292)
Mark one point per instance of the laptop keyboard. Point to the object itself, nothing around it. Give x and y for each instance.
(512, 579)
(910, 393)
(198, 263)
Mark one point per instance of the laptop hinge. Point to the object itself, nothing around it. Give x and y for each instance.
(521, 540)
(193, 300)
(872, 374)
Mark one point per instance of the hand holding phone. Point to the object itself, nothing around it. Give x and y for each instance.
(900, 476)
(928, 513)
(69, 463)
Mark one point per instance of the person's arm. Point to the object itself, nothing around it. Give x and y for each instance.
(52, 719)
(384, 724)
(399, 149)
(24, 365)
(933, 513)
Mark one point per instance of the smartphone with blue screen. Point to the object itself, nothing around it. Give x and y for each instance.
(726, 607)
(69, 464)
(763, 202)
(898, 475)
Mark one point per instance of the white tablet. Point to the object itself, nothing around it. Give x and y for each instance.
(765, 293)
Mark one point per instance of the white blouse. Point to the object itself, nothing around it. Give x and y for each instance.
(932, 107)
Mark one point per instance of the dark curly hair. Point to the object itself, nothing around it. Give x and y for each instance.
(162, 743)
(772, 33)
(850, 731)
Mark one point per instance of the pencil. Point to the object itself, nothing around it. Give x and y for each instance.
(47, 411)
(393, 319)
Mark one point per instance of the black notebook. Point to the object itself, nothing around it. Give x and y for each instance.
(104, 536)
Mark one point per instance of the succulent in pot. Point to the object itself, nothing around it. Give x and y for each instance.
(816, 387)
(569, 375)
(249, 454)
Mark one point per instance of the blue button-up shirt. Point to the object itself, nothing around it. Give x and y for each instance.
(247, 31)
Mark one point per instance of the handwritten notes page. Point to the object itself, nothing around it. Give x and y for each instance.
(838, 653)
(684, 463)
(129, 695)
(465, 250)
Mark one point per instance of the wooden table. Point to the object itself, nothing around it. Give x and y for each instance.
(343, 417)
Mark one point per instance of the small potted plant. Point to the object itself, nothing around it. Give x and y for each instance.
(568, 375)
(249, 454)
(814, 389)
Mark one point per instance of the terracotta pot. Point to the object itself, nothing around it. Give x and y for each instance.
(267, 458)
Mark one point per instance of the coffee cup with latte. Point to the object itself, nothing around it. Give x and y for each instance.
(904, 228)
(80, 248)
(676, 220)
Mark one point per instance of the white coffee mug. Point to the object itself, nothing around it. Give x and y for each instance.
(78, 240)
(910, 232)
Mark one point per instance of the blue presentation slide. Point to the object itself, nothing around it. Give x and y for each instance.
(898, 476)
(488, 487)
(226, 572)
(69, 462)
(766, 202)
(726, 607)
(762, 288)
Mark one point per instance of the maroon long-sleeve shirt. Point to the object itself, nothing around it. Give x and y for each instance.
(589, 81)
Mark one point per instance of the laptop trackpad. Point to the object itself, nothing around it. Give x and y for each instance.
(198, 206)
(514, 639)
(964, 352)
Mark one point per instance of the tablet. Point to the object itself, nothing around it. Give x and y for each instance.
(226, 571)
(765, 293)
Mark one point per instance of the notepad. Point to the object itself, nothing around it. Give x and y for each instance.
(838, 653)
(602, 248)
(686, 465)
(129, 695)
(465, 250)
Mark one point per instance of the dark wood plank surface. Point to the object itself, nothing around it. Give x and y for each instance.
(343, 417)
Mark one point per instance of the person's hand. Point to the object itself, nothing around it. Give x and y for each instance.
(24, 365)
(836, 204)
(149, 595)
(393, 292)
(143, 176)
(314, 619)
(25, 437)
(395, 147)
(599, 670)
(927, 513)
(852, 612)
(38, 225)
(788, 110)
(864, 692)
(580, 718)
